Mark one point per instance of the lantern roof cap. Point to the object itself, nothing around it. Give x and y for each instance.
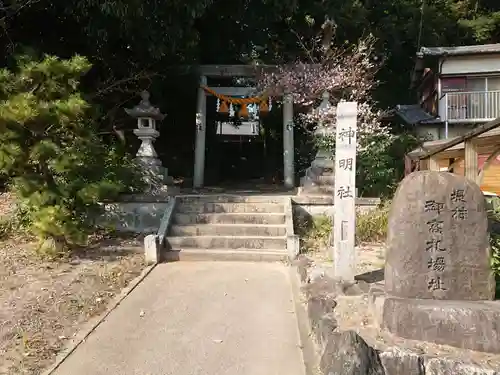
(145, 109)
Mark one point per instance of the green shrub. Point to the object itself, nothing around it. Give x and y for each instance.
(495, 252)
(372, 226)
(5, 227)
(61, 169)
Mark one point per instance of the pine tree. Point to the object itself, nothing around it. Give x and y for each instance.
(59, 169)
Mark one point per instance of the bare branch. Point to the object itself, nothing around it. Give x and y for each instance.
(345, 73)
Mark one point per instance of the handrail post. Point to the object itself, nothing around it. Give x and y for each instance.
(486, 109)
(446, 116)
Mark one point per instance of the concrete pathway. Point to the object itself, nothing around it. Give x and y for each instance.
(200, 318)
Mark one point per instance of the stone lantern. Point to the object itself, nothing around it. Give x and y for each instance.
(321, 131)
(155, 175)
(319, 178)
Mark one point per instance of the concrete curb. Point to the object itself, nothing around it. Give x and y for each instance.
(93, 323)
(154, 244)
(292, 240)
(309, 356)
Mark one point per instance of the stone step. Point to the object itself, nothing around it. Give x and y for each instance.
(228, 230)
(239, 255)
(317, 180)
(317, 190)
(228, 198)
(231, 218)
(316, 171)
(227, 242)
(323, 163)
(214, 208)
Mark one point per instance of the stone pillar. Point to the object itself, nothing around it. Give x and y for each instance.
(288, 145)
(344, 200)
(199, 152)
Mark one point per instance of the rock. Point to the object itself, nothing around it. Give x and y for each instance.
(303, 263)
(346, 353)
(352, 288)
(437, 246)
(325, 328)
(324, 285)
(398, 362)
(315, 274)
(317, 307)
(438, 366)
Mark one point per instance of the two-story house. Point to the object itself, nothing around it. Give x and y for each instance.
(458, 88)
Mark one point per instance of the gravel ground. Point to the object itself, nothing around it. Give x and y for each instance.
(43, 303)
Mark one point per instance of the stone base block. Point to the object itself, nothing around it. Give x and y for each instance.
(151, 249)
(376, 299)
(462, 324)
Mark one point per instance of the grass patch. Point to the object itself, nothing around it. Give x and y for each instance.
(372, 226)
(315, 232)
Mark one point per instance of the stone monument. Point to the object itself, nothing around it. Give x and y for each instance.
(155, 175)
(344, 222)
(438, 280)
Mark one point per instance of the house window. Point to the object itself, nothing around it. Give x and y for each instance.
(468, 84)
(476, 84)
(453, 84)
(493, 83)
(456, 102)
(472, 98)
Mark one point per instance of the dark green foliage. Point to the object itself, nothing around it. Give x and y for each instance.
(140, 44)
(495, 249)
(380, 166)
(60, 170)
(494, 226)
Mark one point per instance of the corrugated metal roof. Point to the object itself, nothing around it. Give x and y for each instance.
(429, 145)
(413, 114)
(461, 50)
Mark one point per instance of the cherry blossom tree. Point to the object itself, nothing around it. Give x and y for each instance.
(346, 73)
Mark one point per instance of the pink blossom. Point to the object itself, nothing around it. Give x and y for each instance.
(346, 74)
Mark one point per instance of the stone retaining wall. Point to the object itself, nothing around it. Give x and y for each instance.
(311, 205)
(142, 213)
(138, 214)
(347, 353)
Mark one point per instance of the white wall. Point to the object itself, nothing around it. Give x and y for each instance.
(457, 130)
(435, 132)
(471, 64)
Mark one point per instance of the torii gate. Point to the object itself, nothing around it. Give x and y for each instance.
(229, 71)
